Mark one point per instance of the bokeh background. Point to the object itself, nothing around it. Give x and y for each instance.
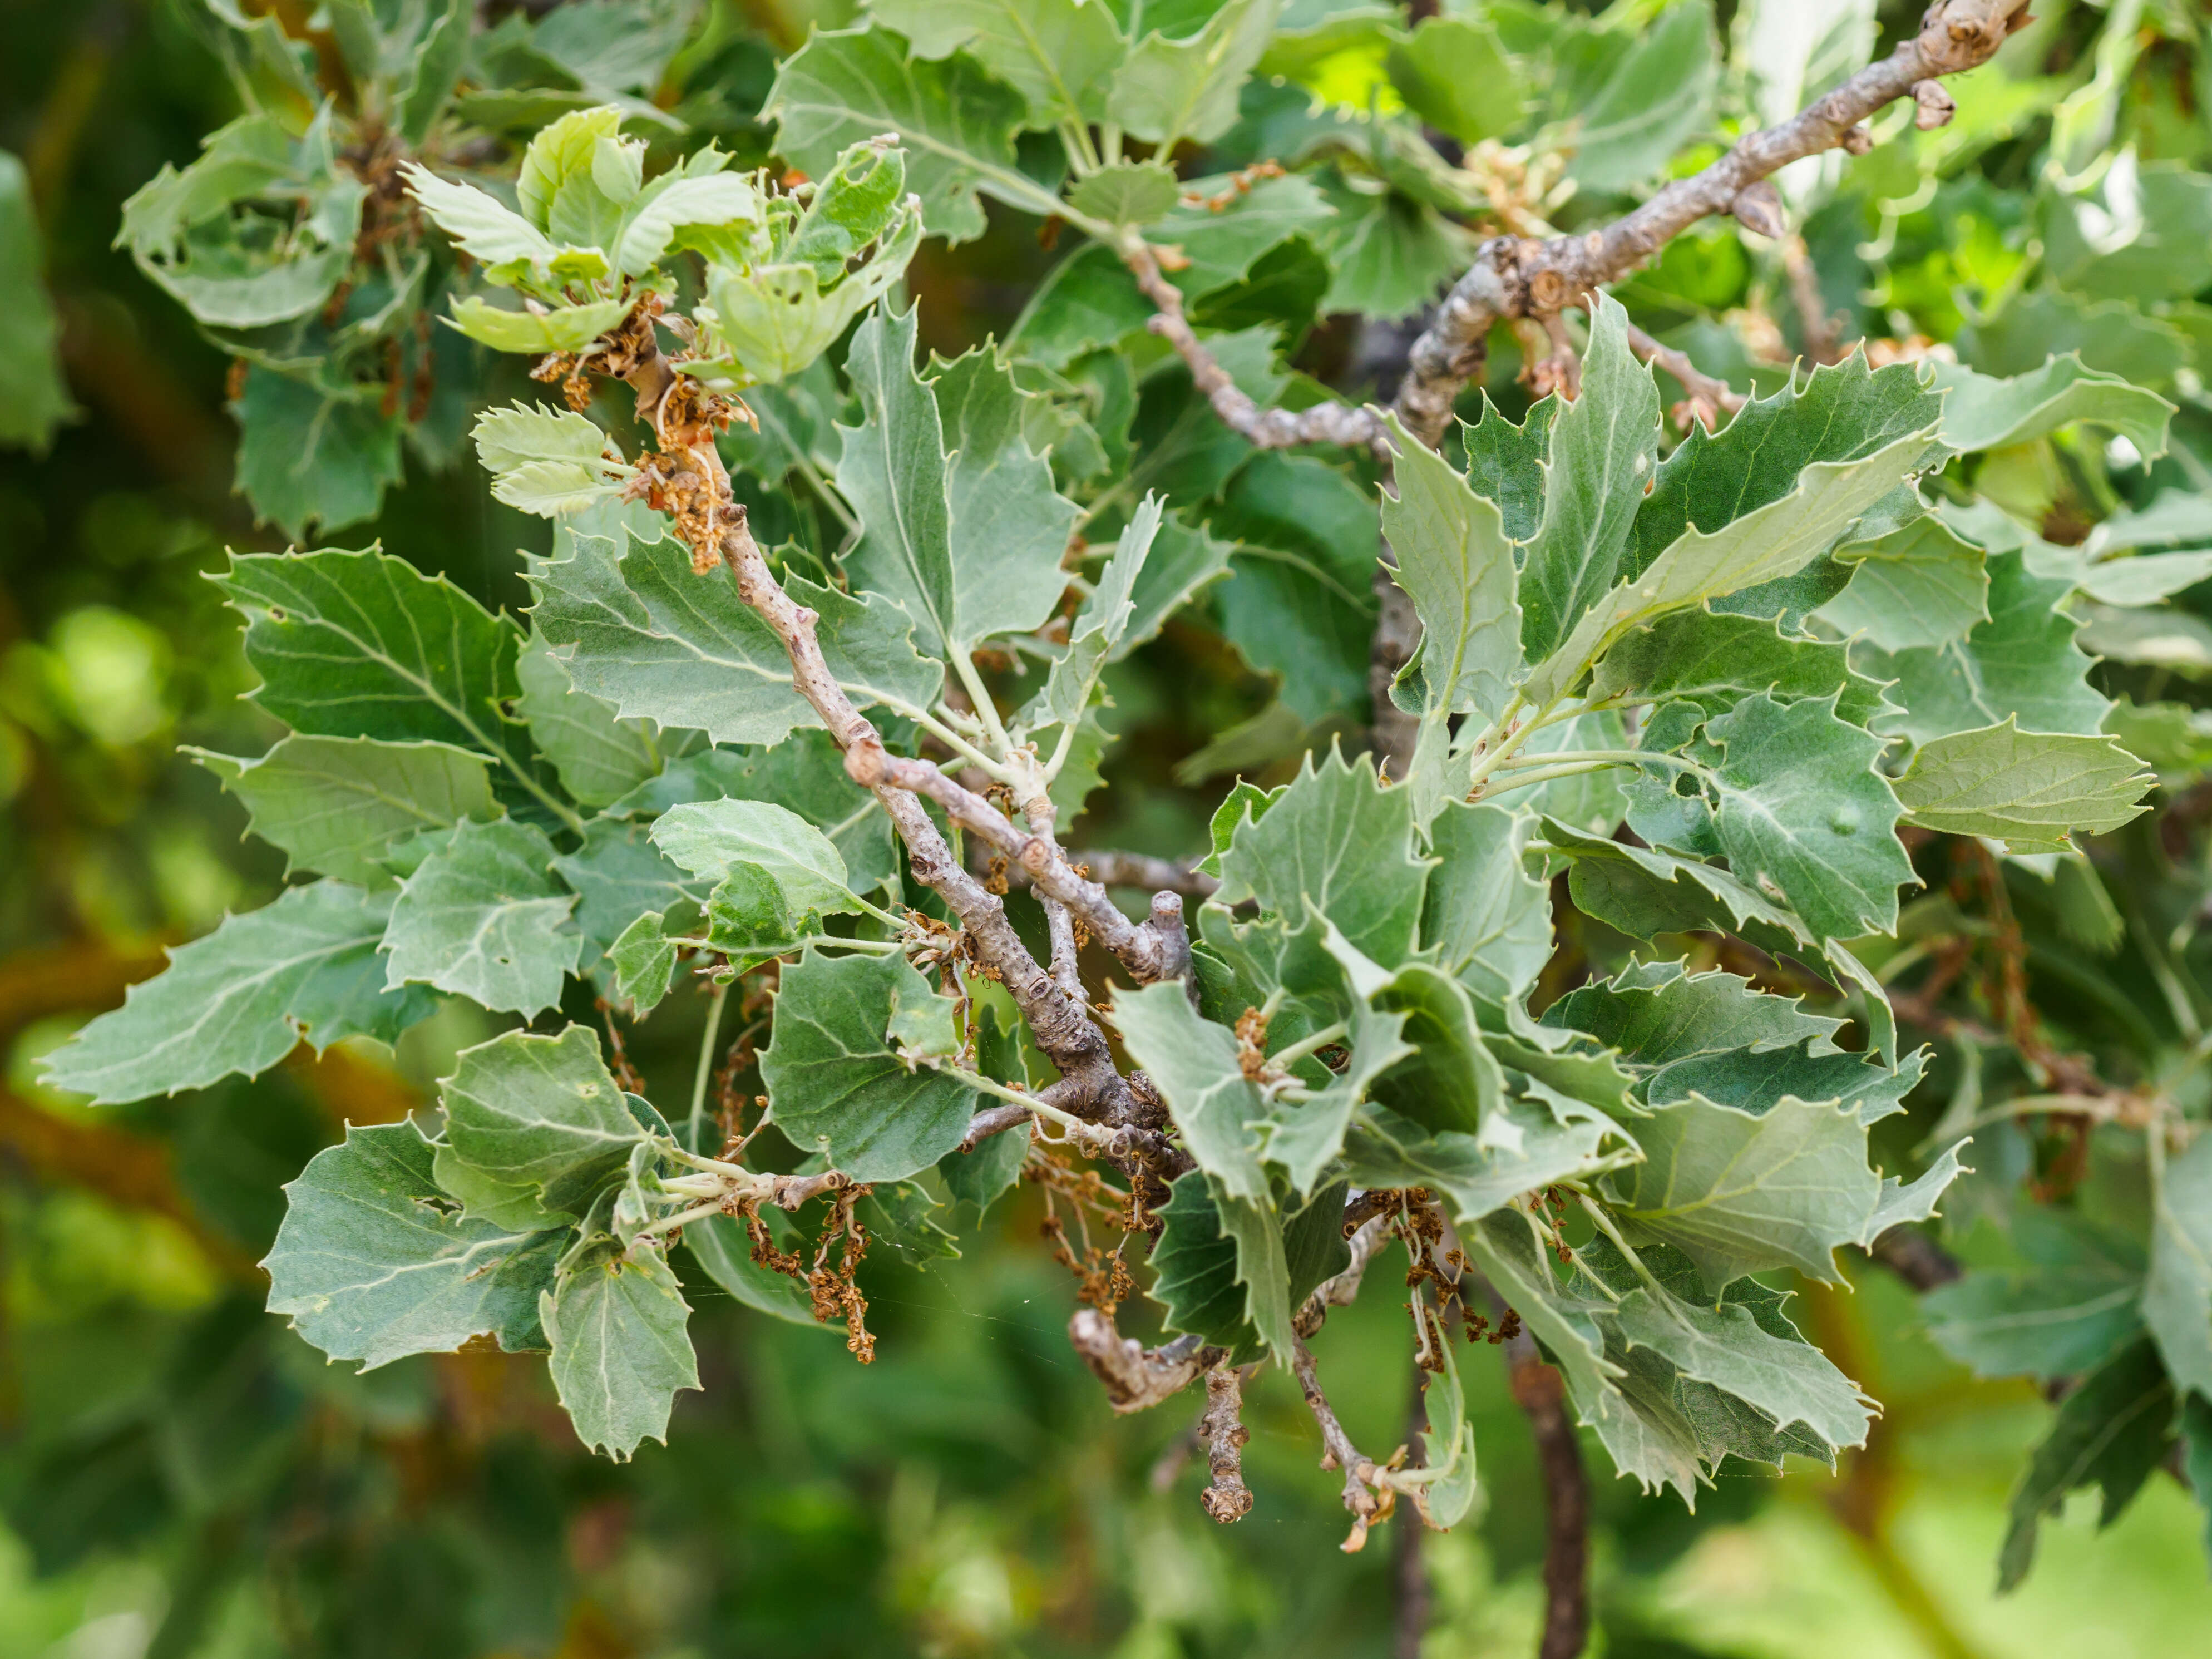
(178, 1476)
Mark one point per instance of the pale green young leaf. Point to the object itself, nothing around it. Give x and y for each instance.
(303, 968)
(1339, 839)
(1167, 90)
(620, 1331)
(673, 202)
(482, 226)
(540, 1115)
(363, 645)
(1100, 627)
(637, 628)
(1455, 564)
(956, 122)
(1775, 540)
(335, 805)
(1981, 412)
(484, 917)
(2176, 1297)
(1604, 446)
(372, 1264)
(1488, 919)
(2022, 663)
(1061, 55)
(566, 328)
(1804, 818)
(560, 152)
(2031, 790)
(714, 839)
(836, 1084)
(599, 758)
(1919, 586)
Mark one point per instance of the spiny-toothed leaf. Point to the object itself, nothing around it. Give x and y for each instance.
(620, 1331)
(638, 629)
(1804, 818)
(1457, 565)
(1754, 1080)
(1981, 412)
(2046, 1322)
(363, 645)
(484, 917)
(1506, 464)
(1474, 1176)
(540, 1114)
(1841, 412)
(1739, 1194)
(2028, 789)
(714, 839)
(2111, 1432)
(1059, 55)
(372, 1263)
(772, 323)
(565, 328)
(1715, 660)
(1644, 892)
(599, 758)
(1919, 587)
(1200, 1277)
(546, 462)
(1099, 626)
(1658, 1014)
(1790, 1381)
(672, 202)
(1170, 89)
(308, 459)
(1340, 840)
(238, 1000)
(1183, 561)
(2177, 1297)
(836, 1084)
(484, 228)
(957, 123)
(1193, 1062)
(1449, 1079)
(1604, 446)
(337, 805)
(1505, 1249)
(1490, 920)
(2021, 663)
(1776, 540)
(618, 875)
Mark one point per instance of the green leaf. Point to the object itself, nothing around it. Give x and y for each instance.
(565, 328)
(1715, 660)
(618, 876)
(308, 461)
(540, 1115)
(1631, 97)
(1223, 246)
(33, 399)
(600, 758)
(1475, 1175)
(373, 1264)
(1919, 587)
(362, 645)
(2021, 663)
(1201, 1281)
(2031, 790)
(1755, 1080)
(1644, 892)
(1183, 561)
(337, 805)
(484, 917)
(1099, 627)
(2046, 1323)
(637, 629)
(1167, 90)
(1457, 76)
(675, 203)
(643, 962)
(1059, 55)
(1193, 1062)
(721, 1247)
(1388, 254)
(622, 1348)
(1981, 412)
(1739, 1194)
(1340, 840)
(1790, 1382)
(1658, 1014)
(303, 968)
(1457, 565)
(2177, 1297)
(1505, 463)
(1487, 917)
(714, 840)
(1775, 540)
(836, 1084)
(956, 122)
(1804, 818)
(1845, 412)
(1128, 192)
(1505, 1251)
(1604, 448)
(2111, 1432)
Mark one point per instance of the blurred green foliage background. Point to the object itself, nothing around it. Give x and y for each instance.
(179, 1476)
